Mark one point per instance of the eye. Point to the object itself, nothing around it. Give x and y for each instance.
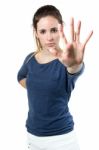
(54, 30)
(42, 31)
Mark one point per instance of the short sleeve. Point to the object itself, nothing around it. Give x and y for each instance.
(73, 77)
(22, 73)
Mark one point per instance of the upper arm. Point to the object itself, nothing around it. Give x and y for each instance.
(22, 73)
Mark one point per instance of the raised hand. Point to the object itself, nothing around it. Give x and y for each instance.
(71, 53)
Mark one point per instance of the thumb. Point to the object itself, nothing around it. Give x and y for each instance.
(53, 51)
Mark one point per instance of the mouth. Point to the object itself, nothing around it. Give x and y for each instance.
(50, 44)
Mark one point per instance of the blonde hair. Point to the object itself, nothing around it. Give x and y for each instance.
(38, 44)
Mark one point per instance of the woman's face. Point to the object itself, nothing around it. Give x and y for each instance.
(47, 32)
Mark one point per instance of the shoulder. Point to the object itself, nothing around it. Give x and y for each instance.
(28, 57)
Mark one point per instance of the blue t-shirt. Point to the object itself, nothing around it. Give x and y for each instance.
(49, 87)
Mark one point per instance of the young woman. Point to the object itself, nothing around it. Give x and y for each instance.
(49, 75)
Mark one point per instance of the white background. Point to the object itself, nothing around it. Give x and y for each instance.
(16, 41)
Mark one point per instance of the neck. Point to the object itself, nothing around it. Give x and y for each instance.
(46, 52)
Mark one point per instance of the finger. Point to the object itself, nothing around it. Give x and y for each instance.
(87, 39)
(53, 51)
(72, 34)
(61, 33)
(78, 31)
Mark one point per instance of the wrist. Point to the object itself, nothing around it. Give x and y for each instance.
(75, 68)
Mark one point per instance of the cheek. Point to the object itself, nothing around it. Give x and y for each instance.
(42, 41)
(57, 38)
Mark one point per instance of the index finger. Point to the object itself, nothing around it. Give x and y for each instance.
(61, 32)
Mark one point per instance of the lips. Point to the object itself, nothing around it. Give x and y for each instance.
(50, 44)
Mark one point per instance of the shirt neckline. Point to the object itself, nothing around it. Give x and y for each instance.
(44, 63)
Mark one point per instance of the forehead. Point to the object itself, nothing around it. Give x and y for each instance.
(47, 22)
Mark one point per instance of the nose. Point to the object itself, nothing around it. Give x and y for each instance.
(49, 36)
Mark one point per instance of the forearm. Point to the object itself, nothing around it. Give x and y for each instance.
(23, 82)
(75, 68)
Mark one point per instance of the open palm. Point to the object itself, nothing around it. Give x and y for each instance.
(71, 53)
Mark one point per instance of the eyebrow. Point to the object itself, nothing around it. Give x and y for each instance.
(50, 28)
(54, 28)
